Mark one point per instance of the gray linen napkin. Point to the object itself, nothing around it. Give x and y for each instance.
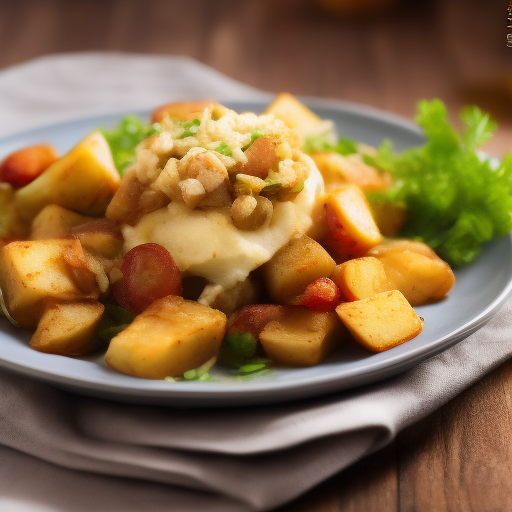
(63, 452)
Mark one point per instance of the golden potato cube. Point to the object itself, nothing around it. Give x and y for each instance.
(102, 235)
(184, 110)
(33, 272)
(303, 337)
(389, 217)
(294, 266)
(54, 221)
(83, 180)
(69, 328)
(361, 278)
(419, 277)
(352, 212)
(337, 170)
(170, 337)
(380, 322)
(291, 111)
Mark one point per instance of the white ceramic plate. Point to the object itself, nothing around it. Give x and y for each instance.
(480, 290)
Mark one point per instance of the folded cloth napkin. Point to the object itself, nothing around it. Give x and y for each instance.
(64, 452)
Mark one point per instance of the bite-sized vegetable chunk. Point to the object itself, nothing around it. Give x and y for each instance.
(101, 235)
(25, 165)
(54, 221)
(184, 335)
(351, 228)
(338, 170)
(84, 180)
(302, 337)
(262, 157)
(361, 278)
(12, 227)
(149, 273)
(389, 217)
(380, 322)
(294, 266)
(254, 318)
(291, 111)
(32, 273)
(415, 270)
(322, 295)
(69, 328)
(240, 344)
(184, 110)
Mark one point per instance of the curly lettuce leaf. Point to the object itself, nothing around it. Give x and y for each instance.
(456, 199)
(124, 138)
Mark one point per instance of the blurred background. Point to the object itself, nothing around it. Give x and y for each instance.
(384, 53)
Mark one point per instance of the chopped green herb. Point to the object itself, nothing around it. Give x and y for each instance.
(255, 134)
(455, 198)
(272, 183)
(124, 138)
(190, 128)
(224, 149)
(322, 142)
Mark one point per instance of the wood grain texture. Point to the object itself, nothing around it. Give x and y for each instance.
(460, 458)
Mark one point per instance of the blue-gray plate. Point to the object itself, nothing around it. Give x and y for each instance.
(480, 289)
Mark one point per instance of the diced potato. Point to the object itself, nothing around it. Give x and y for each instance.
(415, 270)
(352, 231)
(291, 111)
(302, 337)
(170, 337)
(69, 328)
(182, 111)
(101, 235)
(54, 221)
(361, 278)
(380, 322)
(12, 227)
(84, 180)
(338, 170)
(32, 273)
(389, 217)
(294, 266)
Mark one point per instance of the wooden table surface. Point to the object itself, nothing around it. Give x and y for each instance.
(459, 458)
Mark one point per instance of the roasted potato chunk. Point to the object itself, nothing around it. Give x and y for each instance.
(302, 337)
(294, 266)
(84, 180)
(361, 278)
(69, 328)
(380, 322)
(184, 110)
(352, 230)
(170, 337)
(338, 170)
(415, 270)
(54, 221)
(32, 273)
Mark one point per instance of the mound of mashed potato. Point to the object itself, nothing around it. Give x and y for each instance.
(230, 190)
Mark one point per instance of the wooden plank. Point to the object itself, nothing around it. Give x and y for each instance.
(460, 458)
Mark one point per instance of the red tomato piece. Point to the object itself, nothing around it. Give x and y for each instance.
(254, 318)
(322, 295)
(25, 165)
(149, 273)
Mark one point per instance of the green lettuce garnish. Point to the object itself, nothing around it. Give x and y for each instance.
(124, 138)
(456, 197)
